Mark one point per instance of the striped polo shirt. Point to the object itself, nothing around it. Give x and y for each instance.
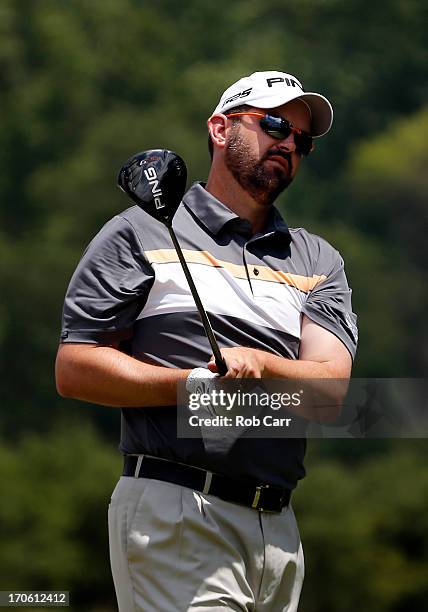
(129, 287)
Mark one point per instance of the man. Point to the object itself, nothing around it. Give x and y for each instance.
(195, 527)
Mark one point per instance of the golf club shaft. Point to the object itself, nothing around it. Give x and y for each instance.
(220, 362)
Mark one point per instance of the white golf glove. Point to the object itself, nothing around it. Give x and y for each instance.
(202, 380)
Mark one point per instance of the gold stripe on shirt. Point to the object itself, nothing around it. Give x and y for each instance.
(257, 272)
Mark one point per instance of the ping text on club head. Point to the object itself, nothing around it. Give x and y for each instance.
(152, 177)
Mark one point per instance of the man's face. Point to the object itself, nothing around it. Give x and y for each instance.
(264, 166)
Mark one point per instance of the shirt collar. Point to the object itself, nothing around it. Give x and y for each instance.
(214, 214)
(208, 210)
(275, 222)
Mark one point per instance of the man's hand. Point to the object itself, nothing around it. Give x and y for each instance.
(321, 355)
(201, 380)
(242, 362)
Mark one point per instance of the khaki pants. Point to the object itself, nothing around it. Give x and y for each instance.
(173, 549)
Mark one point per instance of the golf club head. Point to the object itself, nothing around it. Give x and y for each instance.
(156, 181)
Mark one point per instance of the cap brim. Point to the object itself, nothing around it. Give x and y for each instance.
(321, 109)
(322, 113)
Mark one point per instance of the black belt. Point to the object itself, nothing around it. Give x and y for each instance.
(265, 498)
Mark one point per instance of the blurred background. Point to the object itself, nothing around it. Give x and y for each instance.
(83, 85)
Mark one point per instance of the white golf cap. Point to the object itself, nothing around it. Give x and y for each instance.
(271, 89)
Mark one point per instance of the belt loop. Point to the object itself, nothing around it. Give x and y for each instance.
(207, 485)
(138, 466)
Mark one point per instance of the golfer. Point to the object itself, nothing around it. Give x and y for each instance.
(194, 526)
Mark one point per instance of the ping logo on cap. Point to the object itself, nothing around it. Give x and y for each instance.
(287, 81)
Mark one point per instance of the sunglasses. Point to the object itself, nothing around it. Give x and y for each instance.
(280, 128)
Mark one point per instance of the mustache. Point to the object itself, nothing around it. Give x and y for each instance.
(280, 153)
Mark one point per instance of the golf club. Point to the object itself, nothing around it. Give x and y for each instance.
(156, 181)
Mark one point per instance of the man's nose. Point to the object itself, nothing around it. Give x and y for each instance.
(288, 144)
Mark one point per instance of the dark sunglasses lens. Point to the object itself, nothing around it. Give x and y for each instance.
(279, 128)
(275, 126)
(303, 143)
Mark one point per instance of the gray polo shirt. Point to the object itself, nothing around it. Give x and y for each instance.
(129, 287)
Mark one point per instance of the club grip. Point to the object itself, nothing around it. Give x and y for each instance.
(221, 365)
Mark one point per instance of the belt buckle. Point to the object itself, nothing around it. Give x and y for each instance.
(257, 500)
(257, 495)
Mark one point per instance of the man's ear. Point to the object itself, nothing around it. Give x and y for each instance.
(217, 129)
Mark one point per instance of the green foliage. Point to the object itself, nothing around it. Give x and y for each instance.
(364, 529)
(53, 515)
(86, 84)
(387, 182)
(390, 171)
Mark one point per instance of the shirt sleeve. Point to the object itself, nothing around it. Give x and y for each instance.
(108, 288)
(329, 302)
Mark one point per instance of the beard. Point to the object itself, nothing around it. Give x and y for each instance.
(262, 183)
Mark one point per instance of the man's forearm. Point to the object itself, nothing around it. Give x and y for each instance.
(279, 367)
(105, 375)
(326, 388)
(327, 379)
